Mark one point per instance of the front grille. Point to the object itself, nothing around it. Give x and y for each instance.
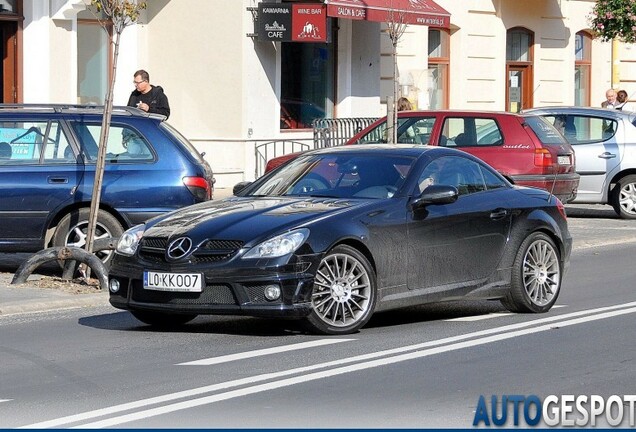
(219, 294)
(216, 251)
(154, 249)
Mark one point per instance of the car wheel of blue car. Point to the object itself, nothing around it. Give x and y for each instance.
(344, 294)
(72, 230)
(536, 276)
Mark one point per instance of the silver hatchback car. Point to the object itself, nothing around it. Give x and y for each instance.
(604, 143)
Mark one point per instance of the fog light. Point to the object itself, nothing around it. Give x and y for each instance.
(272, 292)
(113, 285)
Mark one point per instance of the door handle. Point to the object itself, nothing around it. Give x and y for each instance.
(498, 214)
(607, 155)
(58, 180)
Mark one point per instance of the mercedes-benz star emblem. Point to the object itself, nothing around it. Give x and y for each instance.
(179, 248)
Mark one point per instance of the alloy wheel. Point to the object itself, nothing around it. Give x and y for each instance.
(541, 273)
(342, 294)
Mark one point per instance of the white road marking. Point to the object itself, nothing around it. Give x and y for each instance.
(489, 316)
(5, 400)
(479, 317)
(126, 418)
(548, 323)
(262, 352)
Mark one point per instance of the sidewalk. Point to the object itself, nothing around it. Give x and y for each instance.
(30, 297)
(591, 226)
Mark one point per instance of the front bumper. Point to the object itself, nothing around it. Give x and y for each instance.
(233, 288)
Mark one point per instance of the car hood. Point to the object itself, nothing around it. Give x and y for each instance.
(245, 219)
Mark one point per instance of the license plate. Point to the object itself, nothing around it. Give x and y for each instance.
(564, 160)
(178, 282)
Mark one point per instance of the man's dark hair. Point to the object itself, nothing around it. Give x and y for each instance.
(143, 74)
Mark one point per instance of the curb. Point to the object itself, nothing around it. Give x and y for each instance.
(47, 302)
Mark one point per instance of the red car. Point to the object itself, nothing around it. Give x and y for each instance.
(524, 148)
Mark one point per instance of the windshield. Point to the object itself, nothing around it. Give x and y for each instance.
(351, 175)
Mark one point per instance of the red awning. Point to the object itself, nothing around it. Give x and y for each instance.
(422, 12)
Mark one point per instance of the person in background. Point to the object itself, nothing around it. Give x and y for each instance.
(403, 104)
(610, 101)
(147, 97)
(621, 98)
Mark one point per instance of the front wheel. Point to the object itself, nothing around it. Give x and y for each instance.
(73, 229)
(536, 276)
(160, 319)
(623, 197)
(344, 294)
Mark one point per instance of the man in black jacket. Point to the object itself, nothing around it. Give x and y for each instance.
(147, 97)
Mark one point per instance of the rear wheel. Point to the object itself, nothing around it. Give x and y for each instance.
(73, 229)
(344, 294)
(161, 319)
(623, 197)
(536, 276)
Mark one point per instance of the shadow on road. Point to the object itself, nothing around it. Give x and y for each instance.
(591, 211)
(204, 324)
(250, 326)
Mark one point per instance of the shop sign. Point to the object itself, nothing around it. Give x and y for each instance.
(274, 22)
(309, 22)
(298, 22)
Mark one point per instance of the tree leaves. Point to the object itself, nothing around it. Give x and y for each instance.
(614, 19)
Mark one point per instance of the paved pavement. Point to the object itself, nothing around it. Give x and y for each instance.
(591, 226)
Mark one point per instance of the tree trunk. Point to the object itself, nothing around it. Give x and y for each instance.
(101, 155)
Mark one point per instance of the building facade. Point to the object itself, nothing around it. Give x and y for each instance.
(231, 91)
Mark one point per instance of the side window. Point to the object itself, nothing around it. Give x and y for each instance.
(376, 135)
(25, 142)
(582, 129)
(470, 131)
(124, 143)
(460, 172)
(488, 132)
(459, 132)
(414, 130)
(492, 180)
(57, 149)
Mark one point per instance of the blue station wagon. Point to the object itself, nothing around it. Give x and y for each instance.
(47, 169)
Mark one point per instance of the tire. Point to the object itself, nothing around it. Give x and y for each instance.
(623, 197)
(161, 319)
(72, 230)
(344, 294)
(536, 276)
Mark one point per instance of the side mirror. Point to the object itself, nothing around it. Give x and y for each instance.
(435, 194)
(240, 186)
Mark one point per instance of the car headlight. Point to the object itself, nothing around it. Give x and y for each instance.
(128, 242)
(279, 246)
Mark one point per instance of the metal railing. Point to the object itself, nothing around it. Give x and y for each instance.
(327, 133)
(271, 149)
(335, 132)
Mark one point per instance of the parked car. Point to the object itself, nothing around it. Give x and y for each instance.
(339, 233)
(47, 173)
(523, 148)
(605, 145)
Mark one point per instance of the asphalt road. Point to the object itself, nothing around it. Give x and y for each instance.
(421, 367)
